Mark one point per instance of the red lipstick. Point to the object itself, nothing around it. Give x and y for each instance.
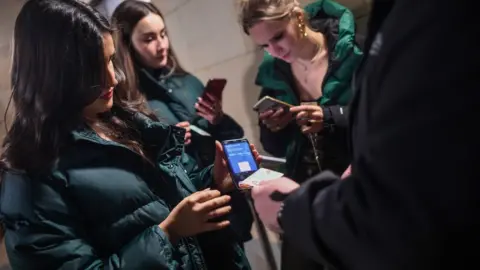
(108, 95)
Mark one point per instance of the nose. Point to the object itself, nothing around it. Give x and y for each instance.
(162, 43)
(112, 77)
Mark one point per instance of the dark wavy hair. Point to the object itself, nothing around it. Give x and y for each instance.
(58, 69)
(125, 17)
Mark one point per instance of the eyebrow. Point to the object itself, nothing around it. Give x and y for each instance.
(152, 32)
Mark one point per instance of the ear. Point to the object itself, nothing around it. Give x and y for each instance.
(299, 14)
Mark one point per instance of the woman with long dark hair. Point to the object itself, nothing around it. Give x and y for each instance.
(147, 57)
(90, 178)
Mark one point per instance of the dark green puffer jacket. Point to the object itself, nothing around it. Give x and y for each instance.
(173, 100)
(100, 207)
(276, 79)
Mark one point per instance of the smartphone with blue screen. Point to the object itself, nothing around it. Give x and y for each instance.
(240, 159)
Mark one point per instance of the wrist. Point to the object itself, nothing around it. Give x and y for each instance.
(218, 118)
(167, 228)
(224, 185)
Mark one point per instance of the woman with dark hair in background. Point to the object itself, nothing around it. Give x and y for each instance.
(153, 72)
(90, 179)
(148, 59)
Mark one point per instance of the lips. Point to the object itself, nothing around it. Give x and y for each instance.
(108, 95)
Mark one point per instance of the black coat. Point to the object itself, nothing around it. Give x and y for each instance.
(413, 197)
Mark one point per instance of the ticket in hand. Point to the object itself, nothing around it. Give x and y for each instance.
(261, 175)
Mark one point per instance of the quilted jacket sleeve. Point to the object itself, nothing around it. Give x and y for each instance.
(43, 232)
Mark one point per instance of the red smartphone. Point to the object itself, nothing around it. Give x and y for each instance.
(215, 88)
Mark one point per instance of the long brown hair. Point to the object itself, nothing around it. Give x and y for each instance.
(59, 68)
(124, 19)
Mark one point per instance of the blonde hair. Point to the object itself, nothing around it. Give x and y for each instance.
(252, 12)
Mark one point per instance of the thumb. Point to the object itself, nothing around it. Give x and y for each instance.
(219, 149)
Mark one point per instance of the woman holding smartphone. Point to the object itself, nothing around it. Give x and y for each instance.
(311, 56)
(175, 95)
(310, 59)
(91, 180)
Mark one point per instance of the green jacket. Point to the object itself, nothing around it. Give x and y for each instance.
(173, 100)
(276, 79)
(100, 206)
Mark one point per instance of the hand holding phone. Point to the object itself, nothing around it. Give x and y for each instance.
(209, 105)
(244, 168)
(214, 88)
(276, 120)
(268, 103)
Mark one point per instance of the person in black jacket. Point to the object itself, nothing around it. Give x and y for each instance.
(412, 199)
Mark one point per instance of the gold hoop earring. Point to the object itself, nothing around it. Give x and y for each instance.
(302, 28)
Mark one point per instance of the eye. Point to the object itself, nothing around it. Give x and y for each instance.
(149, 38)
(163, 34)
(278, 36)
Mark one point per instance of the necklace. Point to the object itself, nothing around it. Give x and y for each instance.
(317, 50)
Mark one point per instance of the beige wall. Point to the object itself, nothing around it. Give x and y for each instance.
(8, 11)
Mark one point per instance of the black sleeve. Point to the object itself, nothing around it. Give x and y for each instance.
(275, 143)
(335, 116)
(226, 129)
(413, 197)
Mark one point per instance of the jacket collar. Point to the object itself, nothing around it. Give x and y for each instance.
(152, 133)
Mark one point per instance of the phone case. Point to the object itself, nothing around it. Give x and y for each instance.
(269, 103)
(215, 87)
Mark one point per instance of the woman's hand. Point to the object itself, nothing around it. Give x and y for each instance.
(188, 133)
(221, 175)
(191, 216)
(210, 109)
(275, 120)
(309, 118)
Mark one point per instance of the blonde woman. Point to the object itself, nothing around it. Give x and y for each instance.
(310, 56)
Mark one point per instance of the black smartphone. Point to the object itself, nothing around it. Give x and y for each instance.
(241, 161)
